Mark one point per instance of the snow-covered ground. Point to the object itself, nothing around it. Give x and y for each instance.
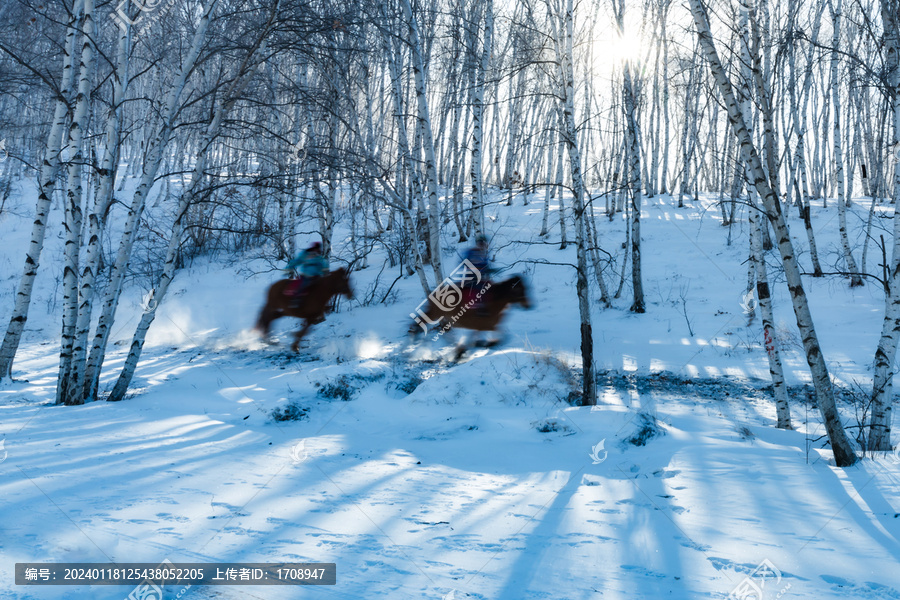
(422, 478)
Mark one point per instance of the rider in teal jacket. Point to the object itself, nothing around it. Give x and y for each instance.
(310, 264)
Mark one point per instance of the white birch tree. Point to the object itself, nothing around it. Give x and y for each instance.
(564, 37)
(46, 185)
(68, 387)
(840, 444)
(151, 163)
(882, 387)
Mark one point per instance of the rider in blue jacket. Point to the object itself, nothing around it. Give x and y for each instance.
(310, 264)
(478, 255)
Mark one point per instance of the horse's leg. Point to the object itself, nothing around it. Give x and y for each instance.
(423, 324)
(299, 335)
(273, 316)
(498, 340)
(475, 339)
(417, 328)
(462, 347)
(266, 316)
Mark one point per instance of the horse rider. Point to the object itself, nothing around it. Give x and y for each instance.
(477, 255)
(311, 264)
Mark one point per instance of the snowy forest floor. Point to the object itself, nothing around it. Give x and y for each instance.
(424, 478)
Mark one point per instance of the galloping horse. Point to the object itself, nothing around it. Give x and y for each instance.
(311, 310)
(487, 317)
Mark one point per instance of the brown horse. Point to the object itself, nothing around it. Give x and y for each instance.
(486, 317)
(312, 309)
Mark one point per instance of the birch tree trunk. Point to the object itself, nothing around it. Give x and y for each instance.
(97, 220)
(431, 183)
(686, 144)
(69, 381)
(664, 40)
(843, 452)
(548, 188)
(760, 77)
(563, 236)
(153, 158)
(570, 136)
(855, 279)
(457, 156)
(883, 380)
(776, 371)
(46, 185)
(188, 198)
(478, 120)
(757, 256)
(393, 58)
(634, 173)
(798, 115)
